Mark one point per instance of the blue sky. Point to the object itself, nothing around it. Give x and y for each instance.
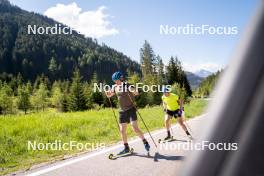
(132, 22)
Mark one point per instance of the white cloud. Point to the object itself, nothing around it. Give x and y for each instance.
(93, 23)
(209, 66)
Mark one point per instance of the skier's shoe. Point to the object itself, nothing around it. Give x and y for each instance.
(147, 146)
(125, 151)
(167, 138)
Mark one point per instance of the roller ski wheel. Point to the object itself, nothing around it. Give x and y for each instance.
(112, 156)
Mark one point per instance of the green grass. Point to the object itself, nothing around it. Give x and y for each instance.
(86, 127)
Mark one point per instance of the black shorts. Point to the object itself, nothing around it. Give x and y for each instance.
(176, 113)
(127, 116)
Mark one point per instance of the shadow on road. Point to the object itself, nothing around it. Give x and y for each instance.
(156, 157)
(142, 155)
(135, 154)
(174, 140)
(167, 157)
(180, 140)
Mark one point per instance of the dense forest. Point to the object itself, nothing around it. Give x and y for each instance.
(55, 56)
(20, 95)
(207, 85)
(58, 71)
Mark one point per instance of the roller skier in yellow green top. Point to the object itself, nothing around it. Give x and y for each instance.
(173, 107)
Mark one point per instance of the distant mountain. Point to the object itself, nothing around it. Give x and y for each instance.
(55, 56)
(203, 73)
(194, 79)
(208, 84)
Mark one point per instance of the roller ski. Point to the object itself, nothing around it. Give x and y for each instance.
(124, 152)
(167, 139)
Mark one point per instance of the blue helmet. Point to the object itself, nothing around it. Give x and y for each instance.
(165, 90)
(117, 75)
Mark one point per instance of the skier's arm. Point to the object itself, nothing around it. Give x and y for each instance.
(180, 102)
(133, 90)
(135, 93)
(164, 106)
(109, 94)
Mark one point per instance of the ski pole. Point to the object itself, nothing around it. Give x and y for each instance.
(185, 121)
(147, 128)
(143, 121)
(183, 114)
(113, 113)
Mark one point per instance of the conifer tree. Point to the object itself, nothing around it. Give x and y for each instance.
(96, 97)
(77, 101)
(176, 74)
(40, 97)
(6, 99)
(57, 97)
(147, 59)
(160, 70)
(23, 98)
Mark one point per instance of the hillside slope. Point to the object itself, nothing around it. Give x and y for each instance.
(208, 84)
(53, 55)
(193, 79)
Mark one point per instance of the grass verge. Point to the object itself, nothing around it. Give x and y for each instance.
(84, 127)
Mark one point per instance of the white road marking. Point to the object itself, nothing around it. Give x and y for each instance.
(51, 168)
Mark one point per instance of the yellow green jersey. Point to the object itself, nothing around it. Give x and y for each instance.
(171, 101)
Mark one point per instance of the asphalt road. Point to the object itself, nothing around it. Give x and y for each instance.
(166, 160)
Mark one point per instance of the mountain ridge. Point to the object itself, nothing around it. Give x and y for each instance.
(53, 55)
(194, 79)
(203, 73)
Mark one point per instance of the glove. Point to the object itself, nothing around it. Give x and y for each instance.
(180, 111)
